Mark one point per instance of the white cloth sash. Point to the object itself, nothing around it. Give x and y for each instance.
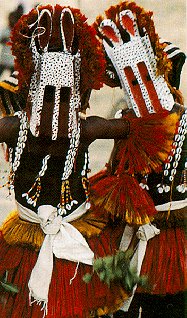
(62, 239)
(174, 205)
(144, 233)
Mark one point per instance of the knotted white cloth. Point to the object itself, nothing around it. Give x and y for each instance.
(62, 239)
(147, 231)
(144, 233)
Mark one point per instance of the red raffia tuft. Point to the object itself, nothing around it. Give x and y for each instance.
(121, 196)
(98, 176)
(149, 143)
(145, 150)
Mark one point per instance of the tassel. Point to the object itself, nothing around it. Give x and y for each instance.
(32, 199)
(148, 144)
(86, 187)
(18, 232)
(66, 200)
(65, 196)
(122, 196)
(182, 187)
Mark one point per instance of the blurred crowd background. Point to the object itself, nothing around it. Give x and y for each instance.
(170, 22)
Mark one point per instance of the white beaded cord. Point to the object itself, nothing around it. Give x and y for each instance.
(22, 138)
(73, 131)
(84, 172)
(40, 174)
(170, 168)
(37, 86)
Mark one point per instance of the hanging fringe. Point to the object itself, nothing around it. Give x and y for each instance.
(75, 274)
(39, 302)
(122, 196)
(33, 193)
(17, 231)
(176, 219)
(148, 144)
(145, 150)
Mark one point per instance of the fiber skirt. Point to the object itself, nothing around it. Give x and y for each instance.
(19, 247)
(164, 262)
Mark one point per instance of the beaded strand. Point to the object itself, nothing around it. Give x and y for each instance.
(66, 200)
(171, 165)
(22, 138)
(182, 187)
(32, 199)
(85, 180)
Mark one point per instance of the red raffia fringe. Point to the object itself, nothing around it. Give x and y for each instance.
(165, 261)
(149, 143)
(146, 148)
(122, 196)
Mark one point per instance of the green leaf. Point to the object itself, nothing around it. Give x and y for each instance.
(9, 287)
(102, 276)
(87, 278)
(109, 261)
(118, 273)
(98, 264)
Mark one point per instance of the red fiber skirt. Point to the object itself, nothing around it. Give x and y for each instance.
(77, 300)
(164, 262)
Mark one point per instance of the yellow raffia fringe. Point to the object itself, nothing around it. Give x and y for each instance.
(171, 123)
(17, 231)
(119, 301)
(89, 225)
(2, 108)
(114, 210)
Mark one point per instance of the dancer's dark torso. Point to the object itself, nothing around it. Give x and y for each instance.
(30, 165)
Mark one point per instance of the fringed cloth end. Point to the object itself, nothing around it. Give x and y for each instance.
(17, 231)
(40, 302)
